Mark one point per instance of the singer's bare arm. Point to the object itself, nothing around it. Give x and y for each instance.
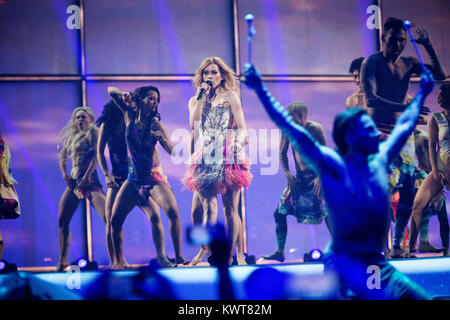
(195, 104)
(195, 111)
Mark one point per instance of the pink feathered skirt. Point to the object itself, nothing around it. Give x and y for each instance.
(213, 177)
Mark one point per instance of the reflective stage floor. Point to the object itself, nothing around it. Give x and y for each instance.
(264, 280)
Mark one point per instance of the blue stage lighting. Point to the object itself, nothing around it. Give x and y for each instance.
(85, 265)
(314, 255)
(6, 267)
(82, 263)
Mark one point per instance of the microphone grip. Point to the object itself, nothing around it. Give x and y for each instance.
(200, 95)
(202, 91)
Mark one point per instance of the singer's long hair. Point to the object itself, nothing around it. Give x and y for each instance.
(230, 79)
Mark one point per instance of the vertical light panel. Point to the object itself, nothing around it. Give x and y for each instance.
(156, 37)
(307, 37)
(35, 38)
(31, 116)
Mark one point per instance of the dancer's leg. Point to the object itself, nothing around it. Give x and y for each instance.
(407, 193)
(281, 234)
(230, 201)
(110, 197)
(2, 246)
(67, 207)
(151, 210)
(210, 209)
(444, 228)
(127, 198)
(196, 209)
(427, 190)
(165, 198)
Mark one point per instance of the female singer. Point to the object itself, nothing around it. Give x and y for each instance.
(219, 165)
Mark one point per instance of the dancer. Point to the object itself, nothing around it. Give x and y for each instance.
(9, 201)
(112, 133)
(79, 141)
(355, 188)
(219, 164)
(145, 181)
(385, 78)
(302, 197)
(439, 153)
(356, 99)
(436, 206)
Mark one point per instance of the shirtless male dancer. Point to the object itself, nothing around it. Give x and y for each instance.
(356, 99)
(355, 187)
(385, 77)
(301, 198)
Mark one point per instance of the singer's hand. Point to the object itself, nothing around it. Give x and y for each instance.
(204, 86)
(252, 77)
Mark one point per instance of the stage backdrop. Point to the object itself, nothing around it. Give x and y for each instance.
(47, 66)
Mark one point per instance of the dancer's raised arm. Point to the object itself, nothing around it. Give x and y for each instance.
(407, 120)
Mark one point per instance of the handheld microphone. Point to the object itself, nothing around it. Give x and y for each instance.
(251, 32)
(202, 91)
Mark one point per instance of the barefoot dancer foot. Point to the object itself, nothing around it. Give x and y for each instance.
(241, 260)
(62, 265)
(199, 257)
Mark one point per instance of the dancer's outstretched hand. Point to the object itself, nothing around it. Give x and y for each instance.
(252, 77)
(423, 37)
(426, 82)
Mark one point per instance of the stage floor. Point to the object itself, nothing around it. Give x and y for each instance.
(201, 283)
